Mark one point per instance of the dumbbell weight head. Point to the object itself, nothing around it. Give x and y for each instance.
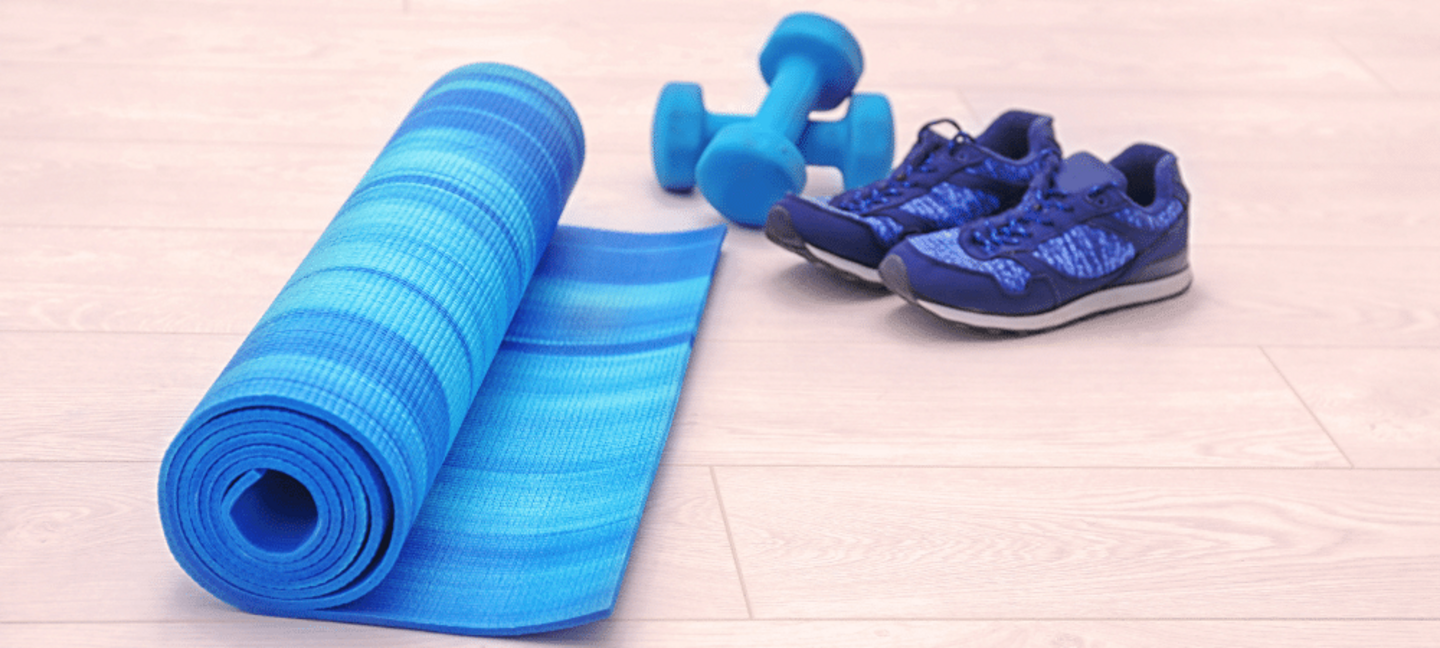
(678, 135)
(746, 168)
(861, 144)
(871, 153)
(826, 44)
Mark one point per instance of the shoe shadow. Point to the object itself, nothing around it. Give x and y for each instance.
(804, 281)
(914, 323)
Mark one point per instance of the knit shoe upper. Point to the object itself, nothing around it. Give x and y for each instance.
(1087, 237)
(944, 181)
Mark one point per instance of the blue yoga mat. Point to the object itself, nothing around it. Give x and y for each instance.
(450, 417)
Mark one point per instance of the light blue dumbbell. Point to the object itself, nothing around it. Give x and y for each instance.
(811, 63)
(861, 144)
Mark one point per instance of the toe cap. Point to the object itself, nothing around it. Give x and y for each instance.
(834, 230)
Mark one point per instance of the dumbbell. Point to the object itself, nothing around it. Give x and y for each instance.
(861, 144)
(811, 63)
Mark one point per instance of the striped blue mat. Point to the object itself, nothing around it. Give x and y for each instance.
(450, 417)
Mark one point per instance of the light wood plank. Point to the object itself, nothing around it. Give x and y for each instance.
(1339, 206)
(81, 543)
(50, 307)
(1379, 405)
(296, 104)
(153, 103)
(1220, 130)
(1084, 43)
(1241, 297)
(777, 634)
(208, 281)
(283, 108)
(682, 567)
(1404, 57)
(220, 281)
(1139, 15)
(102, 397)
(910, 543)
(176, 185)
(97, 396)
(271, 186)
(1171, 61)
(151, 185)
(967, 404)
(178, 260)
(316, 38)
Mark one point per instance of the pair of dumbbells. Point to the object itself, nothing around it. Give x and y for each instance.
(742, 165)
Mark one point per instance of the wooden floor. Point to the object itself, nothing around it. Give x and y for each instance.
(1256, 463)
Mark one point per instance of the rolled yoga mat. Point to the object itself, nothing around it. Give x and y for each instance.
(450, 417)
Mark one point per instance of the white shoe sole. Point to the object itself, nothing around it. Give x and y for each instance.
(857, 271)
(1100, 301)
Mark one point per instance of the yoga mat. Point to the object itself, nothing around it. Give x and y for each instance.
(450, 417)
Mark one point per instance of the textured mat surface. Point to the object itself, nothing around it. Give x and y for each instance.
(452, 413)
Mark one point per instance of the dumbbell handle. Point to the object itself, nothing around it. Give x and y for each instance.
(821, 149)
(818, 142)
(792, 95)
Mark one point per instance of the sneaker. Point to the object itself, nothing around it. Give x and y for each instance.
(1088, 237)
(943, 182)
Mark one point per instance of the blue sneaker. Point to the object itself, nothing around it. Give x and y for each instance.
(943, 182)
(1087, 238)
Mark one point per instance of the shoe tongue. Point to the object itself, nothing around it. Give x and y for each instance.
(1083, 171)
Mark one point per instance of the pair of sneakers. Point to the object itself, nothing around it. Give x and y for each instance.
(998, 232)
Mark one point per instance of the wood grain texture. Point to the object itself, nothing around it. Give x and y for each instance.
(975, 404)
(89, 397)
(905, 543)
(1242, 296)
(64, 183)
(1212, 129)
(1404, 57)
(143, 280)
(778, 634)
(98, 396)
(1379, 405)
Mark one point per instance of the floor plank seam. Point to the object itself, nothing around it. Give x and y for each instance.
(1383, 469)
(237, 333)
(1094, 619)
(131, 140)
(154, 462)
(313, 231)
(730, 538)
(1308, 409)
(909, 466)
(1365, 65)
(765, 620)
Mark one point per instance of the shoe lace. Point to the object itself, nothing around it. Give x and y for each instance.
(1035, 209)
(900, 179)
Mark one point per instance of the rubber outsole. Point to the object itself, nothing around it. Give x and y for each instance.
(780, 229)
(897, 279)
